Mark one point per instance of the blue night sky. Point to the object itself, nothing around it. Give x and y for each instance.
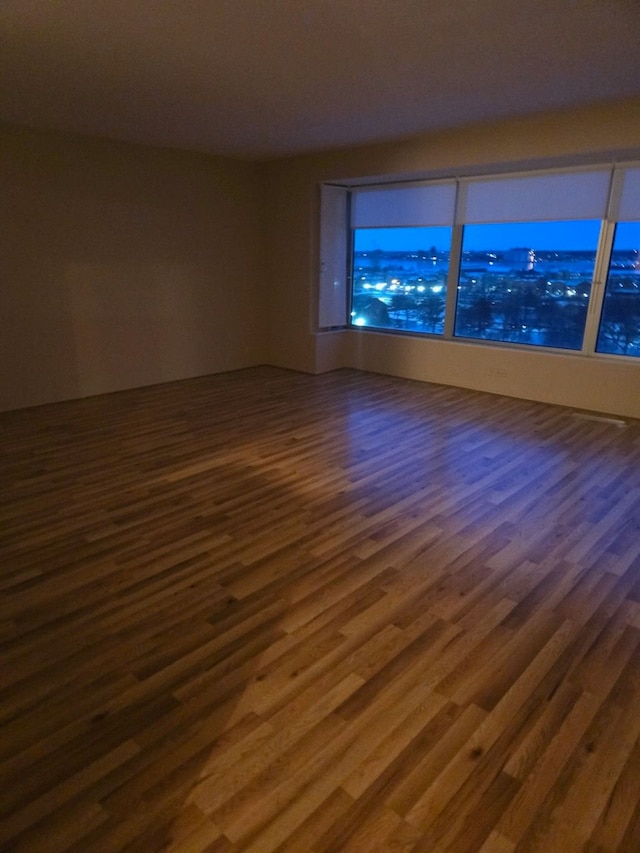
(531, 235)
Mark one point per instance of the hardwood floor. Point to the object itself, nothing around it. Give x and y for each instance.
(267, 611)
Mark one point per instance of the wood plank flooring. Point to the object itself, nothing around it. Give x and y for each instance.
(265, 611)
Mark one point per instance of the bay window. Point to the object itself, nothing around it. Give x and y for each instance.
(547, 259)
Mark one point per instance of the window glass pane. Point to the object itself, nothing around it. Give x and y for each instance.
(620, 321)
(400, 278)
(526, 283)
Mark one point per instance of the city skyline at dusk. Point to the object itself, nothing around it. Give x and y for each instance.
(561, 236)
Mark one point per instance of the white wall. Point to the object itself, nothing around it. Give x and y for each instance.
(597, 384)
(123, 266)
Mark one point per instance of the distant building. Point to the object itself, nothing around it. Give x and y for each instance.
(522, 259)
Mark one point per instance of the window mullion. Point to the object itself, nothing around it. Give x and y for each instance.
(603, 257)
(452, 281)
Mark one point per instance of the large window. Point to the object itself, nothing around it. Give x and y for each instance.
(527, 283)
(400, 278)
(546, 259)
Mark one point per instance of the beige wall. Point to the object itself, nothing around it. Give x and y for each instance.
(124, 266)
(604, 133)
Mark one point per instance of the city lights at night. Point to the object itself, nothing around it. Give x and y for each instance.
(522, 283)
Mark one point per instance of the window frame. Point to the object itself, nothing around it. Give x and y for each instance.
(598, 284)
(536, 346)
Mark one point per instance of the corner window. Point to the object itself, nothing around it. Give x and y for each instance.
(544, 259)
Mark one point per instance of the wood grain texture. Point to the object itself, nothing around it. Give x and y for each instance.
(264, 611)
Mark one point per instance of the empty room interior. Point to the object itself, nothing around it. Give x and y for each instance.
(320, 426)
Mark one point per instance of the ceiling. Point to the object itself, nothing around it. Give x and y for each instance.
(269, 78)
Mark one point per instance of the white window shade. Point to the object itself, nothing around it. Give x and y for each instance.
(535, 198)
(629, 206)
(403, 206)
